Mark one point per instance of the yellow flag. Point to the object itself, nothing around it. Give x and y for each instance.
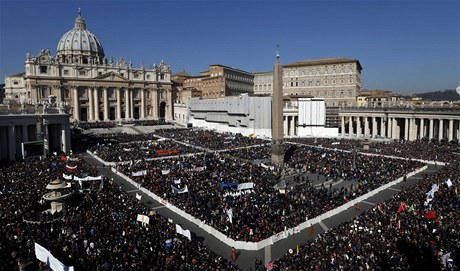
(297, 249)
(456, 191)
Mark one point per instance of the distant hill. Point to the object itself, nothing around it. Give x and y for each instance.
(446, 95)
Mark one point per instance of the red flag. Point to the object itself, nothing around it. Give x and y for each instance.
(431, 215)
(63, 158)
(402, 207)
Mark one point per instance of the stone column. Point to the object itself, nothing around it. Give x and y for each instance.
(366, 126)
(431, 129)
(451, 130)
(127, 110)
(343, 125)
(90, 105)
(394, 129)
(11, 142)
(118, 103)
(358, 126)
(374, 126)
(441, 129)
(25, 133)
(422, 128)
(76, 104)
(382, 127)
(142, 114)
(292, 132)
(350, 126)
(413, 129)
(96, 104)
(131, 104)
(106, 104)
(406, 129)
(389, 127)
(154, 103)
(285, 125)
(65, 138)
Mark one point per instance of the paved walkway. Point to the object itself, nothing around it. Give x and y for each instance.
(246, 258)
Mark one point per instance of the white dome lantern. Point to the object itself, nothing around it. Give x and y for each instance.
(79, 45)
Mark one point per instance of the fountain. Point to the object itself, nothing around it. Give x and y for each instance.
(55, 196)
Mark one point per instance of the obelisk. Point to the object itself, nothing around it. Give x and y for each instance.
(277, 112)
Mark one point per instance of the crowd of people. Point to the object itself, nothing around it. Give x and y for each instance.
(423, 150)
(158, 147)
(97, 231)
(417, 229)
(403, 233)
(212, 191)
(210, 139)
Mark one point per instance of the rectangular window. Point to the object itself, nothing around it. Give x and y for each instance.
(66, 72)
(82, 73)
(148, 76)
(15, 83)
(162, 76)
(43, 69)
(136, 76)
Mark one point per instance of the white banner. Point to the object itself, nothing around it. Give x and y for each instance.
(243, 186)
(185, 233)
(279, 236)
(139, 173)
(139, 197)
(41, 253)
(165, 171)
(45, 256)
(89, 178)
(179, 191)
(198, 169)
(237, 193)
(143, 219)
(67, 177)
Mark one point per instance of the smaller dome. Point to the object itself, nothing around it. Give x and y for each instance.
(80, 43)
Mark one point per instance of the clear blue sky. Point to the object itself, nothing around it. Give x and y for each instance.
(406, 46)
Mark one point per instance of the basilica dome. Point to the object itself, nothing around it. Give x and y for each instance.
(79, 45)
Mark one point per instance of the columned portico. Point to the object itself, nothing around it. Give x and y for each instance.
(76, 104)
(154, 93)
(106, 103)
(358, 126)
(396, 123)
(142, 103)
(350, 127)
(431, 128)
(90, 104)
(118, 94)
(127, 110)
(441, 130)
(96, 104)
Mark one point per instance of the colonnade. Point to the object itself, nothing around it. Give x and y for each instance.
(400, 126)
(290, 125)
(125, 100)
(15, 131)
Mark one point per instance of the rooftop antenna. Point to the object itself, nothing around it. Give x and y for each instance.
(79, 12)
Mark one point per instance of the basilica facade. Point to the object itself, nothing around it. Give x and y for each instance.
(93, 87)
